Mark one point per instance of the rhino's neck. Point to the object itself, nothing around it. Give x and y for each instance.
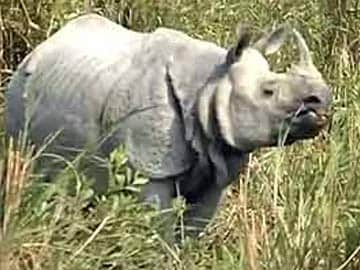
(226, 161)
(213, 130)
(213, 108)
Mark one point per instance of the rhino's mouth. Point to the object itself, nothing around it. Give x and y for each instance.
(310, 116)
(304, 123)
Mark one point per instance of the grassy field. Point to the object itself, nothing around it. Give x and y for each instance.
(294, 208)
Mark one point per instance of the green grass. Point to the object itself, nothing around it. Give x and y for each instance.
(294, 208)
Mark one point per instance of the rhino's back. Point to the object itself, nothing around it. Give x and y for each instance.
(63, 83)
(96, 79)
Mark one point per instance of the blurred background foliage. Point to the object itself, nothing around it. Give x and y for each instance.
(294, 208)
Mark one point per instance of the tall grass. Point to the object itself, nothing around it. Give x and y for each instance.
(294, 208)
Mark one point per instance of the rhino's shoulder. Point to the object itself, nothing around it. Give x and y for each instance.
(91, 19)
(177, 39)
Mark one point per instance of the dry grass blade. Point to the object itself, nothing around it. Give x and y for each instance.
(91, 238)
(4, 257)
(17, 171)
(348, 260)
(88, 6)
(14, 175)
(27, 15)
(251, 240)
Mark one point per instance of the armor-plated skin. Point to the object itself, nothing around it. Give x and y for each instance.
(187, 111)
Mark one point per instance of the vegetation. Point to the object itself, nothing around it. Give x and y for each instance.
(294, 208)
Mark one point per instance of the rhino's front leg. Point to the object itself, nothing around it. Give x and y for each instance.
(159, 193)
(201, 209)
(99, 174)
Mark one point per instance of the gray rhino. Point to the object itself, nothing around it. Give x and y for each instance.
(188, 111)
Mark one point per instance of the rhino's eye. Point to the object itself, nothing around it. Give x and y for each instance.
(268, 92)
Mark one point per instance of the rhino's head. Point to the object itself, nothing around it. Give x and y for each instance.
(256, 106)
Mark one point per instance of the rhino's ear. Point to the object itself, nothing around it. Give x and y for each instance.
(243, 42)
(271, 42)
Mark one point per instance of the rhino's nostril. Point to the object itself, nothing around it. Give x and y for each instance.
(312, 99)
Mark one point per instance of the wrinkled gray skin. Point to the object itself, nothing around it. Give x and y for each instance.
(188, 111)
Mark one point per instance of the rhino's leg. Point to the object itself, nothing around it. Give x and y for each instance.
(158, 192)
(161, 193)
(201, 209)
(97, 170)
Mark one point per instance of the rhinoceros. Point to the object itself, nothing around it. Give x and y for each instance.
(188, 111)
